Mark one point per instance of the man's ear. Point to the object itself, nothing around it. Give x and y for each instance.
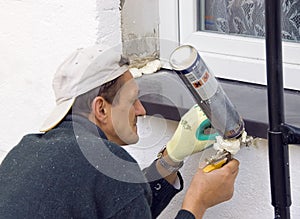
(100, 109)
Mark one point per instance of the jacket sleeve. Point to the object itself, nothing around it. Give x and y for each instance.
(183, 214)
(162, 190)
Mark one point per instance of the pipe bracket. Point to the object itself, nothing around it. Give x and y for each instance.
(291, 134)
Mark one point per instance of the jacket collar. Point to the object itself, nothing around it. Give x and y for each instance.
(70, 120)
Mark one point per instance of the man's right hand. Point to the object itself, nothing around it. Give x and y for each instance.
(209, 189)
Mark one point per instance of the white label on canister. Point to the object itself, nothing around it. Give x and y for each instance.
(206, 85)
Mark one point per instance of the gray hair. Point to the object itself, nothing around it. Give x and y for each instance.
(83, 103)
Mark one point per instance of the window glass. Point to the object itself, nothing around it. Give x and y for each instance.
(247, 17)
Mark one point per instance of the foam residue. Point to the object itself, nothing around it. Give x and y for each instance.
(150, 68)
(230, 145)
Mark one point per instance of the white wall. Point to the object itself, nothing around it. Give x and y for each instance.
(35, 37)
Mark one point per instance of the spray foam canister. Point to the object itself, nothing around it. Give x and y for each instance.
(207, 92)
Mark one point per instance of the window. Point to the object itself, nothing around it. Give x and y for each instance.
(229, 35)
(247, 17)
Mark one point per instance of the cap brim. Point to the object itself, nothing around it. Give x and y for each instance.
(56, 116)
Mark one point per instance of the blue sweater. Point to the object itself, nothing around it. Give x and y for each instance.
(73, 171)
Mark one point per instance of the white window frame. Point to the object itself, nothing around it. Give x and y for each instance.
(228, 56)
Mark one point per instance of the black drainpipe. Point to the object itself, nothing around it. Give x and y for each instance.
(279, 133)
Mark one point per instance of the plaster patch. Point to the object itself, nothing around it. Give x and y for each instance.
(140, 35)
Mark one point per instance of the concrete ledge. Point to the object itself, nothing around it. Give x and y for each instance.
(164, 95)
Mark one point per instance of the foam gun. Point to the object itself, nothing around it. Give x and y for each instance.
(211, 98)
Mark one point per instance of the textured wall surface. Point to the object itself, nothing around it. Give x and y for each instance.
(35, 37)
(140, 35)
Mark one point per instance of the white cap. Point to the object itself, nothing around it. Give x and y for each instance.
(84, 70)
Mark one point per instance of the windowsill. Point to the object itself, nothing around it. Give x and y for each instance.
(164, 95)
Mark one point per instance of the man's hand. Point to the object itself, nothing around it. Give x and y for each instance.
(209, 189)
(189, 136)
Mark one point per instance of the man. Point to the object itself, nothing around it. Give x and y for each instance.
(77, 168)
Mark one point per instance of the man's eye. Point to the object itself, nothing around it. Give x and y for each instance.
(132, 101)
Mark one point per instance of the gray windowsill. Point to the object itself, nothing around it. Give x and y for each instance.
(164, 94)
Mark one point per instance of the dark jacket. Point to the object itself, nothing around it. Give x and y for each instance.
(73, 171)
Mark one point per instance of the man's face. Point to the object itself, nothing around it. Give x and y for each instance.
(124, 111)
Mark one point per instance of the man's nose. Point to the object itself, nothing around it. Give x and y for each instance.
(139, 108)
